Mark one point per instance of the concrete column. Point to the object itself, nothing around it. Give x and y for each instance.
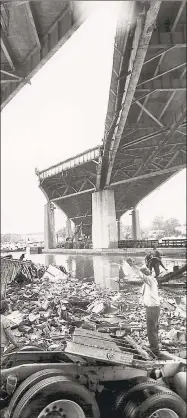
(104, 225)
(119, 229)
(49, 226)
(135, 224)
(69, 232)
(77, 232)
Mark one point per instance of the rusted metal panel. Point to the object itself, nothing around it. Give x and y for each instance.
(97, 346)
(110, 356)
(94, 339)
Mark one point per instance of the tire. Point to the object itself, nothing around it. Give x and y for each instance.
(138, 394)
(52, 389)
(139, 379)
(158, 402)
(26, 385)
(120, 401)
(31, 348)
(9, 362)
(5, 361)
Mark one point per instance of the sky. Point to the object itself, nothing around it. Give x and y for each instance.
(61, 114)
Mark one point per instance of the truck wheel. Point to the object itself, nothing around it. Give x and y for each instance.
(9, 361)
(133, 383)
(161, 405)
(139, 379)
(26, 385)
(137, 394)
(57, 397)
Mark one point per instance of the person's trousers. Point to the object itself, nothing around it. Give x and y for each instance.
(156, 267)
(153, 313)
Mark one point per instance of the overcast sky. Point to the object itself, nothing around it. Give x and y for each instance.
(60, 115)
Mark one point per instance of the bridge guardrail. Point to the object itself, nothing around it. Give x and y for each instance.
(165, 243)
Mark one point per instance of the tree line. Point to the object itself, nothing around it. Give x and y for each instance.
(158, 229)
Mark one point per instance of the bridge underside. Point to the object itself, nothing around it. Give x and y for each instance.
(31, 32)
(145, 129)
(76, 203)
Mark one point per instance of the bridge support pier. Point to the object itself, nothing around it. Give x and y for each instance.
(119, 229)
(135, 224)
(69, 232)
(77, 232)
(49, 226)
(104, 225)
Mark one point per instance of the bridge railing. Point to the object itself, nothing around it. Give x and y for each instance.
(130, 243)
(165, 243)
(173, 243)
(70, 163)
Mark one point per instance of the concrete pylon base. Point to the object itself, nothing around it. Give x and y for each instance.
(49, 227)
(135, 224)
(104, 225)
(69, 232)
(119, 229)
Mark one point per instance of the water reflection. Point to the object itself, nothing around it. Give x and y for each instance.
(48, 260)
(104, 269)
(106, 272)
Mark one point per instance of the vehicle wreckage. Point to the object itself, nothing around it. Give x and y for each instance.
(94, 375)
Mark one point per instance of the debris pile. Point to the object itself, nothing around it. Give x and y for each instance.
(50, 307)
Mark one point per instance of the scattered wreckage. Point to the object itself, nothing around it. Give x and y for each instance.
(98, 367)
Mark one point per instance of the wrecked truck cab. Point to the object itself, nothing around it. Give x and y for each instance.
(96, 376)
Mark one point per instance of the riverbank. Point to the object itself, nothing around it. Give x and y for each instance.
(169, 252)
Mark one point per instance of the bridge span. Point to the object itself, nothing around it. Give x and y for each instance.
(31, 32)
(144, 141)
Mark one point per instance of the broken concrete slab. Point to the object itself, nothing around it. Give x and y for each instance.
(15, 318)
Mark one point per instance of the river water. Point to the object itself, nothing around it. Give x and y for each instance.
(104, 269)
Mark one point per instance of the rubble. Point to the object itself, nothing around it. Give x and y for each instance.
(51, 306)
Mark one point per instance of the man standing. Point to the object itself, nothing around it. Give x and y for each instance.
(154, 261)
(148, 257)
(7, 335)
(152, 303)
(156, 253)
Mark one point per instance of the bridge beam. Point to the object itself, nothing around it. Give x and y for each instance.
(135, 224)
(104, 225)
(140, 45)
(49, 226)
